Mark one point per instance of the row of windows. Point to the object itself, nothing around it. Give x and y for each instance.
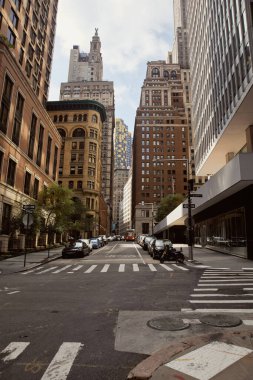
(17, 124)
(79, 185)
(155, 73)
(79, 132)
(75, 118)
(29, 188)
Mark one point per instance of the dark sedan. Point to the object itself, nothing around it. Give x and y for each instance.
(76, 249)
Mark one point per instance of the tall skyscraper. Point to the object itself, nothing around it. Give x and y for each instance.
(180, 51)
(161, 135)
(29, 142)
(122, 145)
(221, 55)
(86, 82)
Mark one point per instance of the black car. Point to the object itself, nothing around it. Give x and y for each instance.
(157, 248)
(76, 249)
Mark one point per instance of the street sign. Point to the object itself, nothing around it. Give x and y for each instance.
(196, 195)
(186, 205)
(28, 208)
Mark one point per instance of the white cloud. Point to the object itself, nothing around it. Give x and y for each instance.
(132, 32)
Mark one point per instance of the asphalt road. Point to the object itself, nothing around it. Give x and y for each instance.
(87, 318)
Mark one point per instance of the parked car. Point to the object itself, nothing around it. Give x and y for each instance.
(104, 239)
(87, 241)
(75, 249)
(146, 241)
(95, 242)
(100, 238)
(150, 249)
(157, 247)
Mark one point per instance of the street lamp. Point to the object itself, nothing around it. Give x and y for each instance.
(189, 204)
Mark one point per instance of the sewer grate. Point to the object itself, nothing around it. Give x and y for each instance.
(167, 324)
(221, 320)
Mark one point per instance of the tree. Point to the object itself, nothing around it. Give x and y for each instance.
(167, 205)
(55, 206)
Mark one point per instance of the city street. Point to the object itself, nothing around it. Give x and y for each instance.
(87, 318)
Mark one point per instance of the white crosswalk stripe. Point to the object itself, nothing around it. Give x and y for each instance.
(13, 350)
(105, 268)
(223, 287)
(61, 364)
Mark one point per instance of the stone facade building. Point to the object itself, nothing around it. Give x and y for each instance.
(29, 143)
(80, 124)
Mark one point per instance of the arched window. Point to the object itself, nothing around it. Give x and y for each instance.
(75, 118)
(65, 118)
(173, 74)
(60, 118)
(94, 119)
(166, 74)
(62, 132)
(78, 132)
(85, 117)
(155, 72)
(55, 118)
(80, 117)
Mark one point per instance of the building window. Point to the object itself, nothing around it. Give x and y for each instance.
(40, 145)
(11, 37)
(93, 134)
(71, 184)
(17, 2)
(14, 18)
(35, 188)
(11, 173)
(78, 132)
(55, 162)
(155, 72)
(91, 172)
(21, 56)
(94, 119)
(49, 144)
(18, 119)
(5, 104)
(79, 184)
(80, 170)
(91, 185)
(32, 136)
(72, 170)
(6, 218)
(28, 69)
(92, 147)
(27, 183)
(1, 162)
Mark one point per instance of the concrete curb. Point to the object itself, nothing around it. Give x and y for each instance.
(146, 369)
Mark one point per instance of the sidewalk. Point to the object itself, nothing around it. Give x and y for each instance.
(221, 354)
(16, 263)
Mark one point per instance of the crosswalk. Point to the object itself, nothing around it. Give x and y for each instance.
(223, 290)
(57, 369)
(105, 268)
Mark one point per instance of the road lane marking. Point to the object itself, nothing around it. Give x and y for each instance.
(219, 284)
(221, 295)
(179, 267)
(152, 268)
(230, 280)
(247, 288)
(61, 269)
(90, 269)
(61, 364)
(105, 268)
(77, 268)
(208, 361)
(221, 301)
(136, 268)
(122, 268)
(13, 350)
(14, 292)
(32, 270)
(47, 270)
(205, 290)
(139, 253)
(248, 322)
(166, 267)
(244, 311)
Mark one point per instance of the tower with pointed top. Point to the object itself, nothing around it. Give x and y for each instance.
(86, 66)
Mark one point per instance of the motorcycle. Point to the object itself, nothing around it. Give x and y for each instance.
(171, 254)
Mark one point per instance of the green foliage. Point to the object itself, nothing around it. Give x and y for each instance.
(55, 206)
(167, 205)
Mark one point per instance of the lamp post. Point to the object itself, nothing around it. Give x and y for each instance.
(189, 203)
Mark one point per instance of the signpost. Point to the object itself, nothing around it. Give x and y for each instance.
(187, 206)
(196, 195)
(27, 220)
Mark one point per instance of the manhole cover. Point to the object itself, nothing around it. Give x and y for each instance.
(167, 324)
(220, 320)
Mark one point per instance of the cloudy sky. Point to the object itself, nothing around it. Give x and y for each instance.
(132, 32)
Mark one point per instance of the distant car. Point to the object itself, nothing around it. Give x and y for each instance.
(87, 241)
(95, 242)
(150, 248)
(75, 249)
(146, 241)
(104, 239)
